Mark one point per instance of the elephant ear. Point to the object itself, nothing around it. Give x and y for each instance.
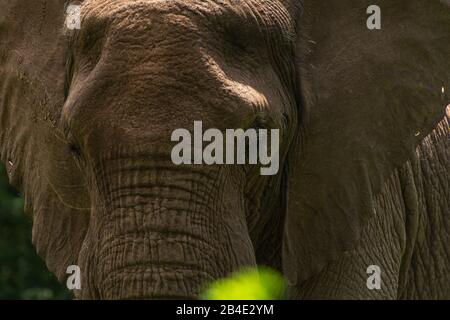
(369, 98)
(33, 55)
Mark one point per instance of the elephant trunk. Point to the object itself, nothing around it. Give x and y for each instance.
(162, 231)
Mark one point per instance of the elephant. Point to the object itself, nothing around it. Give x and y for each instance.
(86, 117)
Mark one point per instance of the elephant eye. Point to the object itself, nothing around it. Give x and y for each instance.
(74, 149)
(244, 36)
(251, 29)
(238, 37)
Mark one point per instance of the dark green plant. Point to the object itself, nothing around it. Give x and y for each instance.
(23, 274)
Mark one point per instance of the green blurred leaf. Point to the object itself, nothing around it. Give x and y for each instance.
(249, 284)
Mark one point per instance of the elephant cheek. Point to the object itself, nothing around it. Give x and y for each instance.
(162, 231)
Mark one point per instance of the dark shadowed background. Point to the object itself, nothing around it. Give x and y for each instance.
(23, 274)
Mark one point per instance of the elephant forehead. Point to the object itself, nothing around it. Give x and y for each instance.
(173, 62)
(261, 15)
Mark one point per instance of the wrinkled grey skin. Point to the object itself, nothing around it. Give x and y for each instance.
(86, 118)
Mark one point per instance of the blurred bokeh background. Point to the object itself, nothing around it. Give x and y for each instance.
(23, 274)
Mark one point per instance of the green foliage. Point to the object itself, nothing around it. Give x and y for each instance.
(23, 274)
(250, 284)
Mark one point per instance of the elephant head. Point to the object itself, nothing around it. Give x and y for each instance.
(87, 114)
